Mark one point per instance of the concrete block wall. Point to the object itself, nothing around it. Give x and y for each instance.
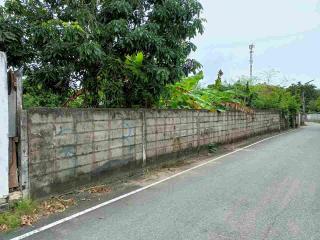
(313, 117)
(69, 147)
(180, 131)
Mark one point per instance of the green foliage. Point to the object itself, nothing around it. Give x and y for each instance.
(12, 218)
(37, 96)
(243, 92)
(213, 147)
(122, 53)
(314, 105)
(274, 97)
(11, 39)
(310, 91)
(218, 83)
(187, 94)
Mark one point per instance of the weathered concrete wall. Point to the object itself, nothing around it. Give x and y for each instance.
(4, 128)
(313, 117)
(68, 147)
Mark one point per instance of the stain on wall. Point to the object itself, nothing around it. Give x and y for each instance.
(68, 147)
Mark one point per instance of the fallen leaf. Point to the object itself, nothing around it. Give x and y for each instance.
(99, 189)
(28, 220)
(4, 228)
(56, 205)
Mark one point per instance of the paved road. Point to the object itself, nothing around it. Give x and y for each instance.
(268, 191)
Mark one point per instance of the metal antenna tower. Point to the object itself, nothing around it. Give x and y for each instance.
(251, 47)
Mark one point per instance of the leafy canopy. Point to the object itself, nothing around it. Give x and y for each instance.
(119, 53)
(310, 91)
(187, 94)
(275, 97)
(314, 105)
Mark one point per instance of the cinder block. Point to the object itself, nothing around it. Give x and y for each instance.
(130, 123)
(101, 116)
(63, 118)
(127, 141)
(176, 120)
(151, 122)
(151, 114)
(101, 146)
(129, 151)
(42, 129)
(128, 132)
(83, 149)
(100, 136)
(101, 156)
(161, 121)
(84, 159)
(153, 130)
(41, 168)
(101, 125)
(82, 138)
(64, 140)
(151, 137)
(151, 153)
(40, 143)
(65, 163)
(84, 169)
(84, 127)
(139, 156)
(116, 124)
(116, 153)
(65, 175)
(40, 118)
(116, 143)
(42, 155)
(66, 151)
(138, 140)
(169, 120)
(41, 181)
(63, 128)
(115, 134)
(151, 145)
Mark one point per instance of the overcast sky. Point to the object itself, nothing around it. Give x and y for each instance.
(286, 34)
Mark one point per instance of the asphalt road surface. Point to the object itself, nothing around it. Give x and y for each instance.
(268, 191)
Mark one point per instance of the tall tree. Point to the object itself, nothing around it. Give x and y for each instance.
(119, 53)
(310, 92)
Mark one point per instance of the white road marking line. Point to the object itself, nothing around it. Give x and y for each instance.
(51, 225)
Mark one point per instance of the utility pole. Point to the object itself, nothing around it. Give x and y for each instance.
(251, 47)
(304, 98)
(304, 117)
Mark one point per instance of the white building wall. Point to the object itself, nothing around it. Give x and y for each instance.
(4, 124)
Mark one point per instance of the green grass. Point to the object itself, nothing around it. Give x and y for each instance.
(12, 218)
(213, 147)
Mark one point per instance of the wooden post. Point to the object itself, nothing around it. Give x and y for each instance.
(22, 138)
(13, 160)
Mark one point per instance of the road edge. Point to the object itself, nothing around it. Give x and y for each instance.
(91, 209)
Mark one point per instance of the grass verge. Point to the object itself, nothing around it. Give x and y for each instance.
(26, 212)
(17, 214)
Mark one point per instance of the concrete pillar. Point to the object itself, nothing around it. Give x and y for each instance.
(4, 126)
